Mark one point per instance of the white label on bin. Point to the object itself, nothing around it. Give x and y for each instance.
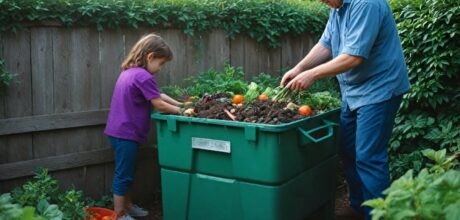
(210, 144)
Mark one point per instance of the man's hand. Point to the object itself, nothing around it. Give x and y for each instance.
(289, 75)
(302, 81)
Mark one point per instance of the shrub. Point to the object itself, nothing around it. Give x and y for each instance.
(432, 194)
(430, 36)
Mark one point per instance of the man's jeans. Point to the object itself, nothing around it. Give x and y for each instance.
(365, 133)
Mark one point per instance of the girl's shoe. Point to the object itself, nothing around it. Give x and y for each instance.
(126, 217)
(137, 211)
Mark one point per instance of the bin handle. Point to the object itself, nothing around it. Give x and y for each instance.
(330, 132)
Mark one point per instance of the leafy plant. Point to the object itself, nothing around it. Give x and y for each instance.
(433, 194)
(44, 187)
(5, 77)
(230, 80)
(104, 201)
(49, 211)
(43, 194)
(430, 36)
(11, 211)
(71, 202)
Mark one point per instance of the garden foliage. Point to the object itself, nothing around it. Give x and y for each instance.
(5, 77)
(322, 95)
(430, 36)
(432, 194)
(41, 198)
(262, 20)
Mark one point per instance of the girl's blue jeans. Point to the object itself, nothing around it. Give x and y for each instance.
(364, 137)
(125, 162)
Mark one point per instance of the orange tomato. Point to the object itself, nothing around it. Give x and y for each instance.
(237, 99)
(305, 110)
(262, 97)
(106, 218)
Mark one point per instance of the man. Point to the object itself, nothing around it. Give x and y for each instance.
(368, 62)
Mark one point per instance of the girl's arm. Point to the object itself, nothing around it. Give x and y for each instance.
(170, 100)
(164, 107)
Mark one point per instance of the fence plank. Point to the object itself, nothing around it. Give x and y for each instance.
(43, 88)
(18, 99)
(93, 177)
(291, 51)
(62, 162)
(2, 90)
(16, 50)
(3, 146)
(251, 58)
(210, 50)
(269, 60)
(237, 51)
(308, 42)
(112, 54)
(176, 70)
(54, 121)
(218, 50)
(62, 55)
(42, 70)
(85, 69)
(194, 51)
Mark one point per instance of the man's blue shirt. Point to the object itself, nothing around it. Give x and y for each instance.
(366, 28)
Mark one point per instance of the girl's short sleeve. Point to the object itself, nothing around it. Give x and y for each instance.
(149, 88)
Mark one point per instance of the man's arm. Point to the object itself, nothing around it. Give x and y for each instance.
(317, 55)
(336, 66)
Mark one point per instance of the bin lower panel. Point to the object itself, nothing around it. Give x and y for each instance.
(195, 196)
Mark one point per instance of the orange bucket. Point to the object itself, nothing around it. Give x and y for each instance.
(97, 213)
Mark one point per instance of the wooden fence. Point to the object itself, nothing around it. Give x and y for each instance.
(54, 115)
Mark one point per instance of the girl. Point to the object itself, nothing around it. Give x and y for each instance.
(128, 123)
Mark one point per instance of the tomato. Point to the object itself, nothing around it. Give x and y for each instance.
(305, 110)
(237, 99)
(262, 97)
(106, 218)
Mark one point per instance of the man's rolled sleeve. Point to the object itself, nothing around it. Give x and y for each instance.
(325, 39)
(362, 30)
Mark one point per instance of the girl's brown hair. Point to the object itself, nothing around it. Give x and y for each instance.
(149, 43)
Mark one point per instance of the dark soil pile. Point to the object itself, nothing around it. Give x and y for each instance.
(265, 112)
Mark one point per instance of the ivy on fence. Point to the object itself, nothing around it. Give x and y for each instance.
(262, 20)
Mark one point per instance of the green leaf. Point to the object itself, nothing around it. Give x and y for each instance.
(452, 211)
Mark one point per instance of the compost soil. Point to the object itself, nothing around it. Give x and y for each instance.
(265, 112)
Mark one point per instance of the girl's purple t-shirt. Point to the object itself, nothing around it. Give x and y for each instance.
(129, 115)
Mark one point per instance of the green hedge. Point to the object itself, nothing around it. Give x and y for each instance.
(430, 36)
(263, 20)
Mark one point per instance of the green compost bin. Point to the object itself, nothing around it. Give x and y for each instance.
(217, 169)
